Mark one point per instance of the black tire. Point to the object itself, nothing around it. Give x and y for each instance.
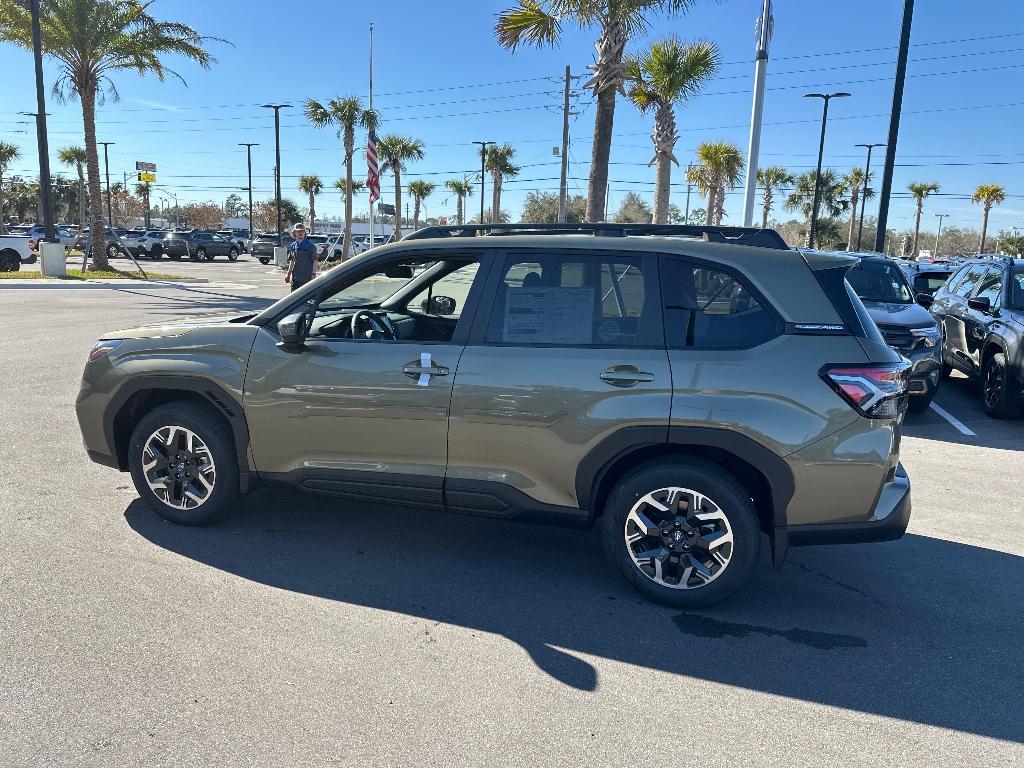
(919, 404)
(233, 254)
(945, 370)
(209, 427)
(201, 254)
(10, 261)
(996, 393)
(175, 256)
(705, 478)
(113, 251)
(156, 252)
(264, 262)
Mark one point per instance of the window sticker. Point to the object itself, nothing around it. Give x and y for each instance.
(549, 316)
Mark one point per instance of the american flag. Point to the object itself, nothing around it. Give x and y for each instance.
(372, 169)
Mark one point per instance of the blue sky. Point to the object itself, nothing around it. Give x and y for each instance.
(439, 76)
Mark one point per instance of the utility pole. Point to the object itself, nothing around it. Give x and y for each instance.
(689, 186)
(938, 234)
(106, 164)
(41, 138)
(277, 157)
(765, 25)
(248, 155)
(894, 124)
(483, 163)
(864, 194)
(826, 98)
(563, 189)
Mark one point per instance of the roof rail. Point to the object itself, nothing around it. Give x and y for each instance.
(763, 238)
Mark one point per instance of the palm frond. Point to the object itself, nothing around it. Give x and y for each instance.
(529, 23)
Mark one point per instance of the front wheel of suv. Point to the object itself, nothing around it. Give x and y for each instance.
(233, 254)
(919, 404)
(682, 531)
(183, 463)
(996, 390)
(264, 261)
(202, 255)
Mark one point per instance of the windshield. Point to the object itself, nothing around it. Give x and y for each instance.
(879, 281)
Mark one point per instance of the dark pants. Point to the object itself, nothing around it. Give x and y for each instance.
(296, 285)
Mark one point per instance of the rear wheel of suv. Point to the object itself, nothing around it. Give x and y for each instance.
(682, 531)
(264, 261)
(202, 255)
(156, 252)
(113, 251)
(995, 389)
(9, 261)
(183, 463)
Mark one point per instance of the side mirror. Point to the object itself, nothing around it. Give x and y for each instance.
(925, 299)
(439, 305)
(401, 271)
(293, 331)
(980, 303)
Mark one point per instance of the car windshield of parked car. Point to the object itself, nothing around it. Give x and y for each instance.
(879, 281)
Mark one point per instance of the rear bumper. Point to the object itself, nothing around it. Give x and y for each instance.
(888, 522)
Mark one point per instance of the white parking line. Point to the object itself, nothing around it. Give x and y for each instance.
(958, 425)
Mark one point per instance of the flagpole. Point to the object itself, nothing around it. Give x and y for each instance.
(372, 225)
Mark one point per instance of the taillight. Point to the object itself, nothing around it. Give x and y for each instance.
(878, 391)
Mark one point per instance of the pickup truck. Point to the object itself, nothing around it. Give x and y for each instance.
(16, 250)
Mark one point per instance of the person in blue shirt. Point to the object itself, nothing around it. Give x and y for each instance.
(302, 261)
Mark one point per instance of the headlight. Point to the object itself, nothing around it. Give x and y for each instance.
(930, 334)
(103, 348)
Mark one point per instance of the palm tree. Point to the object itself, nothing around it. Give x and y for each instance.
(988, 195)
(770, 179)
(920, 190)
(719, 164)
(832, 201)
(395, 152)
(92, 39)
(76, 156)
(420, 191)
(461, 188)
(668, 74)
(8, 154)
(499, 162)
(312, 186)
(539, 23)
(347, 114)
(855, 184)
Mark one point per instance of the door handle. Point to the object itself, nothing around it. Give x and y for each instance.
(625, 376)
(417, 370)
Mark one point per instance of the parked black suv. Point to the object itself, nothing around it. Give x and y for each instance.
(263, 246)
(905, 324)
(981, 311)
(199, 246)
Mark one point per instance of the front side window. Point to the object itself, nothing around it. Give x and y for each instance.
(707, 308)
(574, 301)
(879, 281)
(965, 286)
(990, 286)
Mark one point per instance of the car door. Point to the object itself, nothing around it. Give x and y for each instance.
(365, 416)
(955, 319)
(977, 322)
(567, 350)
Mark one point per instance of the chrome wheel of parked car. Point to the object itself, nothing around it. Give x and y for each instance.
(679, 538)
(233, 255)
(201, 254)
(179, 467)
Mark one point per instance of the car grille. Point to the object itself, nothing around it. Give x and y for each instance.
(898, 337)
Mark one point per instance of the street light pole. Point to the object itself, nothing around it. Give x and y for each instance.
(106, 164)
(248, 154)
(277, 156)
(483, 163)
(44, 151)
(764, 35)
(864, 194)
(938, 234)
(894, 124)
(825, 97)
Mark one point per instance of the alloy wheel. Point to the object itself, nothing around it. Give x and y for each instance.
(678, 538)
(993, 384)
(179, 467)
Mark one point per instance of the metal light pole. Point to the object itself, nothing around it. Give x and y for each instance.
(44, 151)
(938, 234)
(864, 194)
(483, 163)
(825, 97)
(894, 124)
(106, 164)
(563, 186)
(248, 153)
(277, 156)
(765, 26)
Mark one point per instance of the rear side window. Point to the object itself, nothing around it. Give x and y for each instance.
(990, 286)
(576, 301)
(707, 308)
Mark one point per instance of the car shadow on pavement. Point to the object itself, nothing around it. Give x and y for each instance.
(922, 629)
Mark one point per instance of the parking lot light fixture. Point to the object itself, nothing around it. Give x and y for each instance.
(483, 164)
(864, 194)
(277, 156)
(826, 98)
(248, 153)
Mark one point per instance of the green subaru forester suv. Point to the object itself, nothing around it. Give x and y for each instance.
(690, 390)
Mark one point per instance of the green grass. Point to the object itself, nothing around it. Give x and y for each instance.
(77, 274)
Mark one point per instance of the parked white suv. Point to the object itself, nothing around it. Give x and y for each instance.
(149, 243)
(16, 250)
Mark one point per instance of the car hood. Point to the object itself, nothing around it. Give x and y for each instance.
(904, 315)
(178, 328)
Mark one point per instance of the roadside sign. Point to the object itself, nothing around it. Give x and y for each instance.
(148, 167)
(149, 178)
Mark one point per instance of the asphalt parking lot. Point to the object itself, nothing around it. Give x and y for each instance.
(305, 631)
